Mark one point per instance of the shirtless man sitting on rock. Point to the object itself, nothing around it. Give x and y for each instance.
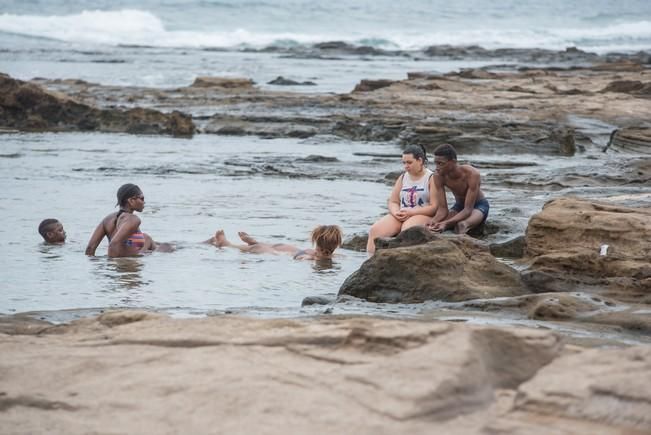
(470, 208)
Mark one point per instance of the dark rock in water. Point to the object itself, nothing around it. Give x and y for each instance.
(282, 81)
(223, 82)
(333, 45)
(513, 248)
(372, 85)
(317, 159)
(626, 86)
(410, 237)
(317, 300)
(356, 242)
(454, 268)
(578, 244)
(29, 107)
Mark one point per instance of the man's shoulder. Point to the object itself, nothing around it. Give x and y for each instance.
(469, 169)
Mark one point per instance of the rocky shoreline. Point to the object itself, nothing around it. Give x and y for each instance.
(133, 371)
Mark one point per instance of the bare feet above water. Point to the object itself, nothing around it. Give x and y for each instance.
(246, 238)
(220, 239)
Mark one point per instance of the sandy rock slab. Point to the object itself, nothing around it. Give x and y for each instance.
(575, 244)
(133, 372)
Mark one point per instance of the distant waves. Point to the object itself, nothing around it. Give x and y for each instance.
(129, 27)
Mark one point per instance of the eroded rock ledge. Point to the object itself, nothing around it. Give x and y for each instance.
(28, 107)
(583, 261)
(124, 372)
(494, 109)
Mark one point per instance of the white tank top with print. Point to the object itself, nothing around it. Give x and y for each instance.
(415, 193)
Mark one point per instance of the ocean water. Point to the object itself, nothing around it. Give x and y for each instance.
(194, 187)
(168, 43)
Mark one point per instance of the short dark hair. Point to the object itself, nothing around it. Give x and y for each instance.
(418, 151)
(446, 150)
(45, 226)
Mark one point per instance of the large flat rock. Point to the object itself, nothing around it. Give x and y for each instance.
(576, 244)
(131, 372)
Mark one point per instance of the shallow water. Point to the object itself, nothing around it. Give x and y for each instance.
(192, 187)
(272, 189)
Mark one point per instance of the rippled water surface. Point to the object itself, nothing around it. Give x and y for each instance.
(277, 190)
(192, 187)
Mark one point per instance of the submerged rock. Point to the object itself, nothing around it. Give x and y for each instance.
(356, 242)
(448, 268)
(282, 81)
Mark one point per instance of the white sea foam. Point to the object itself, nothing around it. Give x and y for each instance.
(136, 27)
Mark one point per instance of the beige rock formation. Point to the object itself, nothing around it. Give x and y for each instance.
(576, 244)
(131, 372)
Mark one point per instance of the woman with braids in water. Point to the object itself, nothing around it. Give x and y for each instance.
(326, 238)
(122, 228)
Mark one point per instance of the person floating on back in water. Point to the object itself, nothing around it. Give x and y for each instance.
(52, 231)
(122, 228)
(326, 238)
(471, 207)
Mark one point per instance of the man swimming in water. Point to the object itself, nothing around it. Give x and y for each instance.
(470, 207)
(52, 231)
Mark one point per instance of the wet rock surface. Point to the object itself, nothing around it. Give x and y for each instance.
(323, 375)
(29, 107)
(491, 109)
(436, 267)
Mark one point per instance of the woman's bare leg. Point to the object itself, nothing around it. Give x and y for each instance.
(415, 221)
(387, 226)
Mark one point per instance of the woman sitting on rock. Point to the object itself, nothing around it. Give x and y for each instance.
(122, 228)
(412, 200)
(326, 238)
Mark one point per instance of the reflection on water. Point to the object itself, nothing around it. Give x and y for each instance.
(193, 189)
(121, 273)
(325, 265)
(50, 251)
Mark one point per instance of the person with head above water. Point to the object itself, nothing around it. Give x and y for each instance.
(470, 207)
(411, 202)
(326, 239)
(122, 228)
(52, 231)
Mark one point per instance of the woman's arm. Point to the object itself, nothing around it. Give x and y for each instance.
(95, 239)
(129, 225)
(394, 198)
